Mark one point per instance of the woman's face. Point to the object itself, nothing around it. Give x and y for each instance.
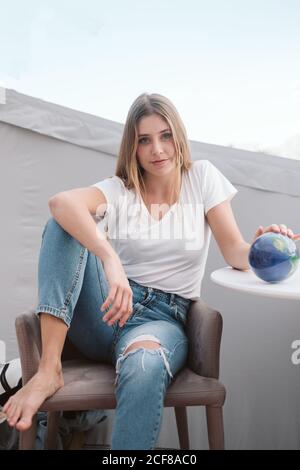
(155, 143)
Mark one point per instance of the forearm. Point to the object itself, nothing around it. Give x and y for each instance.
(238, 257)
(74, 217)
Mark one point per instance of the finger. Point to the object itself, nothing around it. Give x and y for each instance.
(123, 310)
(125, 317)
(258, 232)
(273, 228)
(110, 298)
(296, 236)
(126, 309)
(290, 233)
(109, 316)
(283, 229)
(118, 316)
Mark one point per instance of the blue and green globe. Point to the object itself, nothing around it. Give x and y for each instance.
(273, 257)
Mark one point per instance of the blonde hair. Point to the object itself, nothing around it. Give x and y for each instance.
(128, 168)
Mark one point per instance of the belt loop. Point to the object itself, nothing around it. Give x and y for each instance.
(172, 297)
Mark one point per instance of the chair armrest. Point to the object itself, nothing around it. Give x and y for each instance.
(204, 331)
(29, 341)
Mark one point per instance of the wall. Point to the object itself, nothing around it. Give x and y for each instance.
(45, 149)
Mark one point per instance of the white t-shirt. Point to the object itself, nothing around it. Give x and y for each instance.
(169, 254)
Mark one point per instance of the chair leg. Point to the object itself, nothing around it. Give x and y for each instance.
(52, 430)
(27, 438)
(182, 426)
(215, 429)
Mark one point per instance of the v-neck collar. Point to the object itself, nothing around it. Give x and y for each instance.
(145, 208)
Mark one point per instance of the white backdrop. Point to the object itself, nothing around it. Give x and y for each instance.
(45, 148)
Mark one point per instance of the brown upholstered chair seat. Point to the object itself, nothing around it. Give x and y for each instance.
(90, 385)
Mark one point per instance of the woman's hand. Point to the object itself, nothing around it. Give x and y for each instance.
(281, 228)
(120, 293)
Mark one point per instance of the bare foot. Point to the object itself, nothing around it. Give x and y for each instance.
(21, 407)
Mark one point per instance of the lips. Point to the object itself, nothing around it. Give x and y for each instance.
(159, 162)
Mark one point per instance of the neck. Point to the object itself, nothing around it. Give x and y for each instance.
(158, 185)
(162, 189)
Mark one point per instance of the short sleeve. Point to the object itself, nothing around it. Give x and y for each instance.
(112, 189)
(215, 186)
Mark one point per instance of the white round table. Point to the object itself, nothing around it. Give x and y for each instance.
(247, 281)
(263, 363)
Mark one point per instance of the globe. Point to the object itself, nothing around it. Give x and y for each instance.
(273, 257)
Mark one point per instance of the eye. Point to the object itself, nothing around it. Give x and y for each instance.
(142, 140)
(167, 135)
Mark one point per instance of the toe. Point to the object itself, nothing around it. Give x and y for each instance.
(14, 418)
(7, 405)
(25, 421)
(10, 412)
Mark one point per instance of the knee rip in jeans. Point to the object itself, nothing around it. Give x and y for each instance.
(127, 351)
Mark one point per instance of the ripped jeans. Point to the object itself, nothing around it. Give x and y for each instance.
(72, 286)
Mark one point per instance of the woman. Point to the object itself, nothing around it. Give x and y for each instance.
(142, 264)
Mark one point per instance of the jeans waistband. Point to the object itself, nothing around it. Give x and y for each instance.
(166, 297)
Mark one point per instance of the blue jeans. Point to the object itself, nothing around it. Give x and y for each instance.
(72, 286)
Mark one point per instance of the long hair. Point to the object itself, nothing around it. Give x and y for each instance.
(128, 167)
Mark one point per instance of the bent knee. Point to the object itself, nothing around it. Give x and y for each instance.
(142, 344)
(156, 359)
